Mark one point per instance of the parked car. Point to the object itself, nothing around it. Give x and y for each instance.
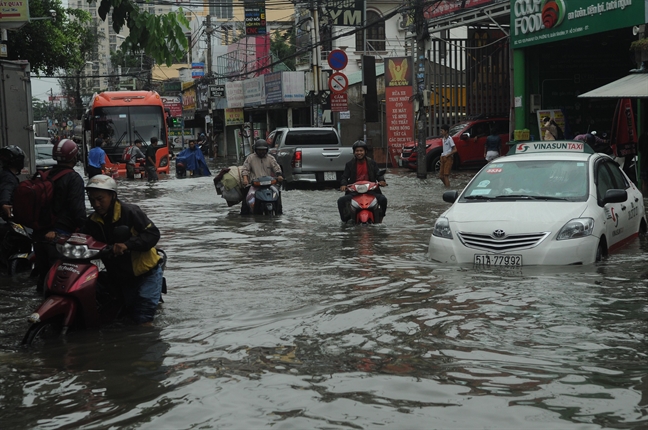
(549, 203)
(469, 138)
(311, 155)
(44, 158)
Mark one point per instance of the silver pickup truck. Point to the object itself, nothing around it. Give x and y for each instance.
(310, 154)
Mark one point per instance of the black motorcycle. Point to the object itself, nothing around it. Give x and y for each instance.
(16, 249)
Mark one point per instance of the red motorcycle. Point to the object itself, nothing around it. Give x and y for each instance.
(364, 204)
(76, 297)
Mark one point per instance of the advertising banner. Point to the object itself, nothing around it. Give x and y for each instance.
(273, 88)
(234, 93)
(174, 103)
(234, 116)
(254, 91)
(446, 7)
(554, 114)
(255, 18)
(399, 108)
(540, 21)
(293, 86)
(624, 131)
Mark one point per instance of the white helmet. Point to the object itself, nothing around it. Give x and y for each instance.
(102, 182)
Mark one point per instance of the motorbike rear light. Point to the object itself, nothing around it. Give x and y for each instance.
(76, 252)
(297, 158)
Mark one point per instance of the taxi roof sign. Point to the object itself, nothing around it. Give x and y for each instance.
(550, 146)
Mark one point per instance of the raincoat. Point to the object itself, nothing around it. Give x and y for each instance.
(193, 160)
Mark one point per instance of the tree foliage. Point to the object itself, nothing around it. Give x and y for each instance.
(160, 36)
(282, 45)
(51, 44)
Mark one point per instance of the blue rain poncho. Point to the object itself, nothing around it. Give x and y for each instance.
(193, 160)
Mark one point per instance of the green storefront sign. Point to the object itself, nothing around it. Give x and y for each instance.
(534, 22)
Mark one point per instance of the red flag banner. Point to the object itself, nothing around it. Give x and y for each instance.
(624, 130)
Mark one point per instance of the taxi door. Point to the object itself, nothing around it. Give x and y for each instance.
(619, 224)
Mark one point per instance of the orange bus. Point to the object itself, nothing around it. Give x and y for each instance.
(120, 118)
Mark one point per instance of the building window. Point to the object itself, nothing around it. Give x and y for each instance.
(375, 34)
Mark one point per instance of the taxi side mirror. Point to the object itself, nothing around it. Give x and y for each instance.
(615, 196)
(450, 196)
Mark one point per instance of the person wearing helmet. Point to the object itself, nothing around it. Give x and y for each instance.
(135, 267)
(13, 161)
(68, 206)
(256, 165)
(595, 142)
(360, 168)
(96, 158)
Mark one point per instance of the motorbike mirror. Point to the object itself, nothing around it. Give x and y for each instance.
(121, 234)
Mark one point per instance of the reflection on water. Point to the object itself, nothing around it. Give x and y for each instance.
(300, 322)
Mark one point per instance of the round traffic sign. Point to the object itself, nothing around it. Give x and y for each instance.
(337, 59)
(338, 82)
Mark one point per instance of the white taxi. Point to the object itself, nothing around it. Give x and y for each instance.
(546, 203)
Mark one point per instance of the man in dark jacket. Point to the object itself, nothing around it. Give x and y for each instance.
(361, 168)
(135, 267)
(13, 161)
(68, 205)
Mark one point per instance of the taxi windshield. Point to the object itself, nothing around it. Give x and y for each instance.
(565, 180)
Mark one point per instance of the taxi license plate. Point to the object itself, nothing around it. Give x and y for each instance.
(498, 260)
(138, 175)
(330, 176)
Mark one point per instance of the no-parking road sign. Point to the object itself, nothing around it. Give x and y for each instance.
(337, 59)
(338, 82)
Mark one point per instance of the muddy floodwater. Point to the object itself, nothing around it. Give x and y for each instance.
(299, 322)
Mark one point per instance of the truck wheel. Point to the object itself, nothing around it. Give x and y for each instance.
(434, 162)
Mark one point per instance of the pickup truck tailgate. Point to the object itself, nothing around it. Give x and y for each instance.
(323, 159)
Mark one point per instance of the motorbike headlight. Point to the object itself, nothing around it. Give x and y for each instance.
(362, 188)
(575, 228)
(442, 228)
(76, 252)
(164, 161)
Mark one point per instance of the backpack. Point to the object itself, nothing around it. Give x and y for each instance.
(33, 200)
(128, 152)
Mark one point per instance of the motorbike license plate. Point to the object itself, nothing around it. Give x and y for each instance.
(138, 175)
(498, 260)
(330, 176)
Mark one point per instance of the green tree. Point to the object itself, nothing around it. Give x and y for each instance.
(159, 36)
(50, 44)
(282, 46)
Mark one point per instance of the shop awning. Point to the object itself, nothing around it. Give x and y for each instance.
(632, 86)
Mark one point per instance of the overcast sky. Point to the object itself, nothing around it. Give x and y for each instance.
(41, 87)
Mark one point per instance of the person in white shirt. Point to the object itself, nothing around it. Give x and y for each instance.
(447, 156)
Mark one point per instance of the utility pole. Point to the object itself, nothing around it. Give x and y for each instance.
(208, 31)
(420, 79)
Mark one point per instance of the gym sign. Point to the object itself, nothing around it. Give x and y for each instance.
(542, 21)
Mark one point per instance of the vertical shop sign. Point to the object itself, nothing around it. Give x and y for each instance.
(255, 18)
(399, 108)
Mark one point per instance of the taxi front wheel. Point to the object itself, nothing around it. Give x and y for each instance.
(601, 250)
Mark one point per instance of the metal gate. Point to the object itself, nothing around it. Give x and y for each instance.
(468, 78)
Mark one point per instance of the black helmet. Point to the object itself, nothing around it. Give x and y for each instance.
(261, 145)
(590, 139)
(360, 144)
(12, 156)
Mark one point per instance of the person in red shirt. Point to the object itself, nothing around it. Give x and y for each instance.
(361, 168)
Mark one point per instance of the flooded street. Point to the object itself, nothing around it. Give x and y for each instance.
(299, 322)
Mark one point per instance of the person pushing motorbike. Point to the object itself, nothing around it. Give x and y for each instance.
(256, 165)
(136, 265)
(361, 168)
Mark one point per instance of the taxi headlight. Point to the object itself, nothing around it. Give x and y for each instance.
(442, 228)
(575, 228)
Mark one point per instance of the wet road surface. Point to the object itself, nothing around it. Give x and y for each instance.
(300, 322)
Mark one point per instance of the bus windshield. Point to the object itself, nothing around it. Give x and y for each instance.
(120, 126)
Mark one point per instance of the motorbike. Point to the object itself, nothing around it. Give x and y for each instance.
(77, 294)
(16, 248)
(264, 197)
(364, 204)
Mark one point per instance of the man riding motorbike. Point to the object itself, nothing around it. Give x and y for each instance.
(135, 266)
(256, 165)
(361, 168)
(13, 161)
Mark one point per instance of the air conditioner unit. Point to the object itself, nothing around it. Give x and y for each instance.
(535, 102)
(401, 23)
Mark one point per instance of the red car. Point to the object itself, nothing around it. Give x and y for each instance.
(469, 138)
